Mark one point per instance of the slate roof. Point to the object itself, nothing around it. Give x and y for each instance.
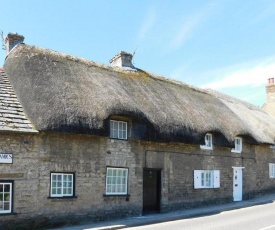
(12, 117)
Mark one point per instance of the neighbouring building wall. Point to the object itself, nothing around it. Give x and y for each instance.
(269, 106)
(35, 157)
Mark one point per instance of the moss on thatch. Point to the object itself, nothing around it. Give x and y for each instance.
(60, 92)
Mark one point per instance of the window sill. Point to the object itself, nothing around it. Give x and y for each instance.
(111, 195)
(62, 197)
(214, 188)
(117, 139)
(8, 214)
(235, 151)
(206, 147)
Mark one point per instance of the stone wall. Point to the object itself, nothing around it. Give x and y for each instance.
(36, 156)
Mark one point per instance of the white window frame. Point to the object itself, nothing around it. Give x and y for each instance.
(118, 132)
(61, 184)
(116, 181)
(238, 145)
(208, 139)
(206, 179)
(6, 197)
(271, 170)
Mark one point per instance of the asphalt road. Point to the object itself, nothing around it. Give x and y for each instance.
(259, 217)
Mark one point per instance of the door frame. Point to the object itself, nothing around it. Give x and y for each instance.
(158, 170)
(240, 186)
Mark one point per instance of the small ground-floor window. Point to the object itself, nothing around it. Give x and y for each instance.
(206, 179)
(5, 197)
(116, 181)
(62, 184)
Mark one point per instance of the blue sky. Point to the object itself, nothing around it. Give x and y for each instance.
(226, 45)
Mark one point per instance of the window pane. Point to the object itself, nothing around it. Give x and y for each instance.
(123, 189)
(7, 206)
(108, 189)
(119, 188)
(124, 126)
(120, 125)
(70, 177)
(109, 180)
(109, 172)
(7, 187)
(124, 135)
(273, 170)
(114, 129)
(114, 134)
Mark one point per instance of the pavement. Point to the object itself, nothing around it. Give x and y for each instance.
(170, 216)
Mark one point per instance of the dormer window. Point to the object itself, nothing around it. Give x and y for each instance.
(208, 142)
(238, 145)
(118, 129)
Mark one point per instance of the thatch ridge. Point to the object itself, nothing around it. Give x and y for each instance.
(88, 62)
(60, 92)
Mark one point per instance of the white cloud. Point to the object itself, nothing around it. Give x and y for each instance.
(148, 23)
(188, 25)
(251, 74)
(185, 31)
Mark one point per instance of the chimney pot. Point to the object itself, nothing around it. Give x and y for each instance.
(122, 59)
(271, 80)
(12, 40)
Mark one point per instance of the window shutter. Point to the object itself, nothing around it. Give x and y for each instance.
(270, 170)
(197, 179)
(216, 178)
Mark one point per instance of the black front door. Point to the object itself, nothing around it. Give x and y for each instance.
(151, 190)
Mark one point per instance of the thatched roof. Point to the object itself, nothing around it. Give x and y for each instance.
(12, 116)
(60, 92)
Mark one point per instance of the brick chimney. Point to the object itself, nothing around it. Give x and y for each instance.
(12, 40)
(122, 59)
(269, 106)
(270, 91)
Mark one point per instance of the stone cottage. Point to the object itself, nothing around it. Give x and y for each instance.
(82, 140)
